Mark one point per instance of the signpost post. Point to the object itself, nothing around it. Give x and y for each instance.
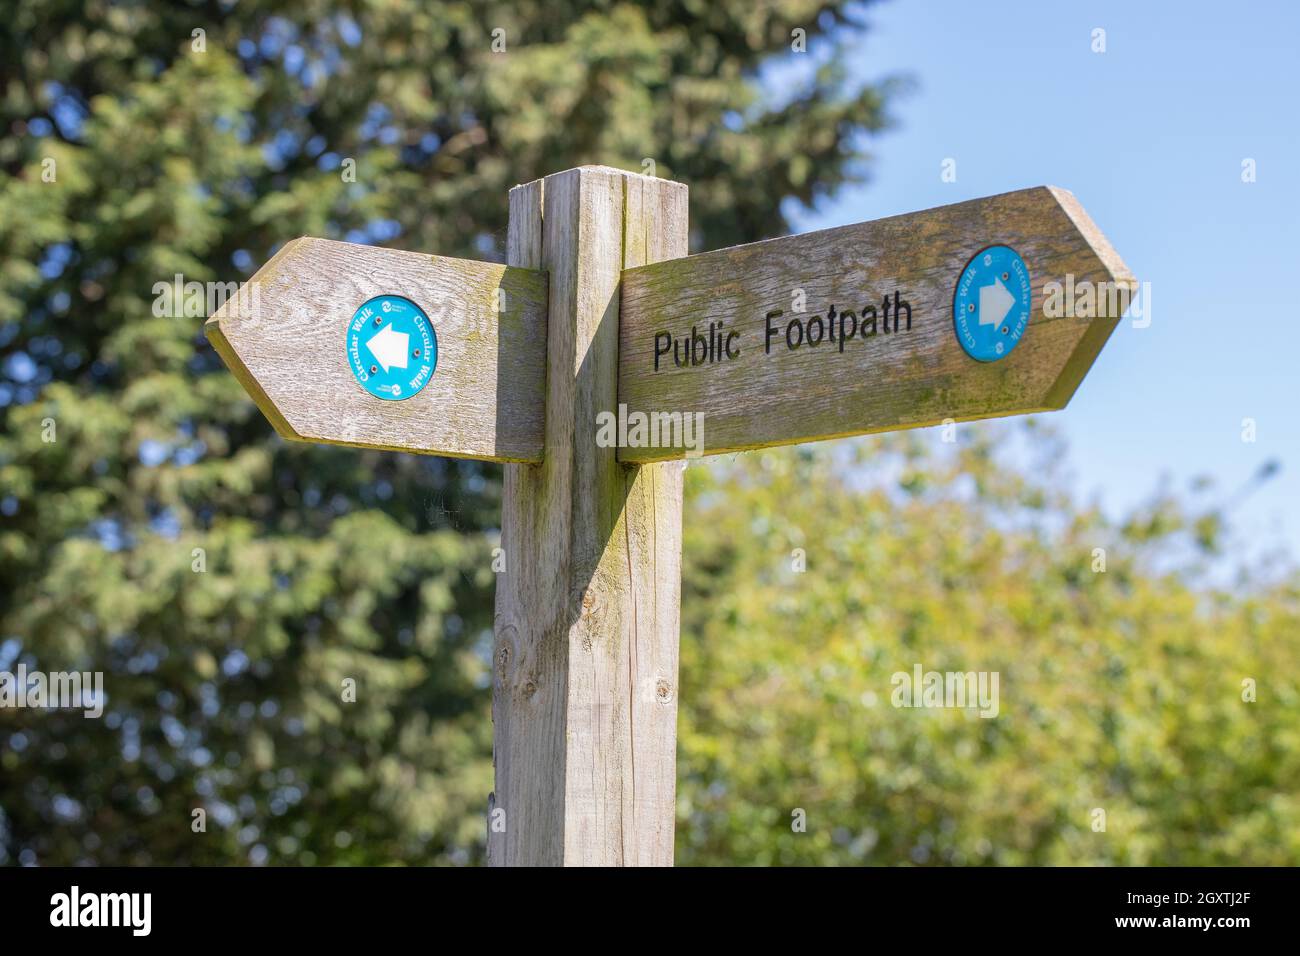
(600, 354)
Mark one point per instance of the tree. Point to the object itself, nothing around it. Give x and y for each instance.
(1146, 707)
(229, 585)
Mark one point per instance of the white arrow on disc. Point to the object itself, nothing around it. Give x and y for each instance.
(995, 303)
(389, 347)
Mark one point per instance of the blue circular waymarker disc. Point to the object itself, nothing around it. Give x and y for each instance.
(392, 347)
(990, 309)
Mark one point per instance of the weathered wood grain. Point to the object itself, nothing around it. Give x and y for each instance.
(892, 381)
(585, 657)
(284, 336)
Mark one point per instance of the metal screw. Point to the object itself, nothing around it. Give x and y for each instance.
(373, 369)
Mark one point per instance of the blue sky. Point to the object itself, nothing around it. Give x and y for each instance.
(1150, 136)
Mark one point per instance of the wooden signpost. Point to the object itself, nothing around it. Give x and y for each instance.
(600, 353)
(282, 337)
(841, 360)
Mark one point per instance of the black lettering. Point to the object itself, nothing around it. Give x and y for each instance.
(696, 341)
(853, 329)
(868, 317)
(821, 330)
(667, 346)
(767, 344)
(898, 311)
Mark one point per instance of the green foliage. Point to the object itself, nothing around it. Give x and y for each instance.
(1120, 690)
(133, 149)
